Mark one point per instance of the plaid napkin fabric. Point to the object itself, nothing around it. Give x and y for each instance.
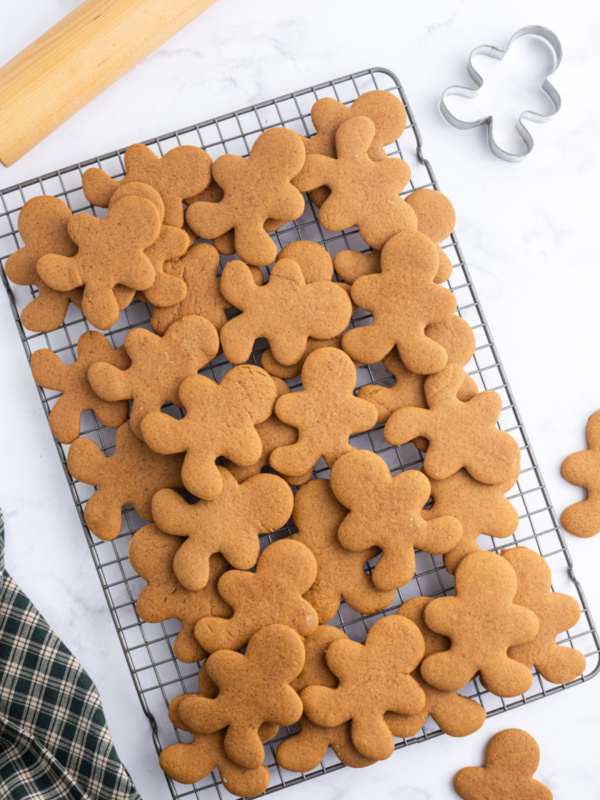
(54, 743)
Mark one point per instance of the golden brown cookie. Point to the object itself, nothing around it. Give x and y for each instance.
(364, 192)
(172, 243)
(435, 218)
(454, 714)
(408, 390)
(326, 413)
(159, 364)
(219, 421)
(460, 433)
(482, 622)
(111, 253)
(133, 474)
(190, 762)
(151, 553)
(303, 751)
(181, 172)
(229, 524)
(583, 469)
(340, 572)
(77, 394)
(273, 594)
(556, 614)
(286, 311)
(255, 189)
(43, 223)
(373, 678)
(480, 509)
(254, 688)
(386, 512)
(511, 759)
(273, 433)
(408, 266)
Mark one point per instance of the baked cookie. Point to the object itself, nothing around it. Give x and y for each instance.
(151, 553)
(482, 622)
(408, 266)
(133, 474)
(286, 311)
(77, 394)
(460, 433)
(111, 253)
(219, 421)
(254, 688)
(326, 413)
(273, 594)
(480, 509)
(273, 433)
(511, 759)
(364, 192)
(159, 364)
(583, 469)
(340, 572)
(181, 172)
(386, 512)
(229, 524)
(255, 189)
(454, 714)
(556, 614)
(374, 678)
(303, 751)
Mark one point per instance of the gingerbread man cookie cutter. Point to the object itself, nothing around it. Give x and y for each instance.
(494, 52)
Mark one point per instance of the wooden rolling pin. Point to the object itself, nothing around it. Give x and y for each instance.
(77, 59)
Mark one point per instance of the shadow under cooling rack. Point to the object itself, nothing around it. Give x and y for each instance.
(148, 648)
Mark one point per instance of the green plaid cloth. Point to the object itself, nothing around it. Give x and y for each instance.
(54, 742)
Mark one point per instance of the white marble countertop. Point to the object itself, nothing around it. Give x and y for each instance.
(528, 232)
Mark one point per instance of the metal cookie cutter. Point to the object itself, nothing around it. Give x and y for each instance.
(547, 87)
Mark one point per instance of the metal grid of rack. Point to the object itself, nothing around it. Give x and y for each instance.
(148, 648)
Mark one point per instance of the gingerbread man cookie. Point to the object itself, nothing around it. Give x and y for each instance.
(556, 614)
(583, 469)
(229, 524)
(373, 678)
(158, 366)
(171, 244)
(511, 759)
(254, 688)
(133, 474)
(255, 189)
(460, 433)
(287, 311)
(273, 594)
(364, 192)
(77, 394)
(303, 751)
(454, 714)
(326, 413)
(198, 269)
(480, 509)
(111, 253)
(151, 553)
(482, 622)
(408, 265)
(181, 172)
(219, 421)
(273, 433)
(43, 223)
(386, 512)
(340, 572)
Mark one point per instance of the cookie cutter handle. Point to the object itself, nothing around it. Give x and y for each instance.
(78, 58)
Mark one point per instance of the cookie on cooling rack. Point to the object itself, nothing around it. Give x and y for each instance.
(583, 469)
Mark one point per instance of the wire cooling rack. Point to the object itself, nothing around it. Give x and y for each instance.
(148, 648)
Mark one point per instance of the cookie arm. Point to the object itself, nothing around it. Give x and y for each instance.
(405, 424)
(60, 272)
(317, 171)
(98, 187)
